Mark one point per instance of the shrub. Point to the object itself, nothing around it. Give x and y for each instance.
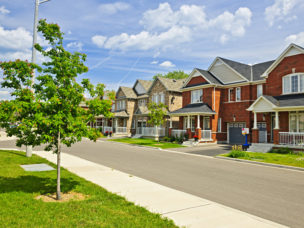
(166, 139)
(283, 150)
(237, 154)
(172, 139)
(186, 137)
(180, 140)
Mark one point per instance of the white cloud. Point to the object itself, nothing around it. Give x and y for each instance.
(3, 10)
(75, 45)
(99, 40)
(16, 39)
(167, 64)
(280, 11)
(113, 8)
(296, 38)
(165, 28)
(154, 62)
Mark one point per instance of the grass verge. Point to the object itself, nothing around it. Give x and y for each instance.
(296, 160)
(148, 142)
(101, 209)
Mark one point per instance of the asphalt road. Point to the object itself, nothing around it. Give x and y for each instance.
(272, 193)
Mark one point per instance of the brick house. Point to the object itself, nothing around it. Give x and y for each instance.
(228, 96)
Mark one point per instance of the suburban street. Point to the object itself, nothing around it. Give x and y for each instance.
(272, 193)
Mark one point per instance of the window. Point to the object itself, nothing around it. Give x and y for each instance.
(230, 94)
(293, 83)
(158, 98)
(238, 94)
(197, 96)
(121, 105)
(219, 125)
(142, 102)
(259, 90)
(192, 123)
(206, 123)
(296, 121)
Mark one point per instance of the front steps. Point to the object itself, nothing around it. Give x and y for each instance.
(260, 147)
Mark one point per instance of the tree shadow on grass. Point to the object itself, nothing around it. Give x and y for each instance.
(32, 184)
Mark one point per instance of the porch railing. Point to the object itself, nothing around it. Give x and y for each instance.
(151, 131)
(178, 132)
(121, 130)
(107, 129)
(206, 135)
(291, 138)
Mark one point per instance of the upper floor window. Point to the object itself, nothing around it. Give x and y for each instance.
(230, 94)
(259, 90)
(197, 96)
(293, 83)
(121, 104)
(142, 102)
(158, 98)
(238, 94)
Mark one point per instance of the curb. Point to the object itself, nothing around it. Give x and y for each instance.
(262, 163)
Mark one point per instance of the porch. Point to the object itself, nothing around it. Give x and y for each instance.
(195, 121)
(285, 123)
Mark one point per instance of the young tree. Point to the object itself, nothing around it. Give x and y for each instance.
(177, 74)
(157, 113)
(17, 116)
(54, 106)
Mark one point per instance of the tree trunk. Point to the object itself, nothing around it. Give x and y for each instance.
(58, 194)
(29, 151)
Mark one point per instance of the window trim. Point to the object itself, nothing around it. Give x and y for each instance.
(229, 93)
(289, 78)
(259, 86)
(192, 91)
(236, 92)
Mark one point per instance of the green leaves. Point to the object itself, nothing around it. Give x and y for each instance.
(157, 113)
(54, 107)
(177, 74)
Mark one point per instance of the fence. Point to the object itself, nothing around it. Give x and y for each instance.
(291, 138)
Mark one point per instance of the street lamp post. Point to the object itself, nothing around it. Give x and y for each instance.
(37, 3)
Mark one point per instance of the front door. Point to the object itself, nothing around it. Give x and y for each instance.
(262, 132)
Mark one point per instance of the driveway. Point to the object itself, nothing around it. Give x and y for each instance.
(271, 193)
(205, 149)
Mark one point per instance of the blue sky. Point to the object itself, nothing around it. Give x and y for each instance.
(127, 40)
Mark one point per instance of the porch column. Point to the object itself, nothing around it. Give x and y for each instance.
(255, 122)
(170, 127)
(277, 120)
(198, 128)
(188, 127)
(116, 124)
(276, 137)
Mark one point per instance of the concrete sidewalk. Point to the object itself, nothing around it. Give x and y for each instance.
(184, 209)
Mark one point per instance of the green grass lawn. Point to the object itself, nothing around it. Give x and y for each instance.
(282, 159)
(18, 208)
(147, 142)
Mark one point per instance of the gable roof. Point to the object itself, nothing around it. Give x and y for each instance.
(145, 83)
(241, 68)
(281, 57)
(209, 76)
(128, 92)
(198, 108)
(259, 68)
(174, 85)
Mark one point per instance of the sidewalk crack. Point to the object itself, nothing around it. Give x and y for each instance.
(186, 209)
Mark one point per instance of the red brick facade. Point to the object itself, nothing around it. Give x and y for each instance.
(236, 111)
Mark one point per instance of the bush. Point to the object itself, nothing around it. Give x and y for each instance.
(172, 139)
(237, 154)
(283, 150)
(180, 140)
(166, 139)
(186, 137)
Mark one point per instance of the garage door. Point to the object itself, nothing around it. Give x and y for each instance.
(235, 133)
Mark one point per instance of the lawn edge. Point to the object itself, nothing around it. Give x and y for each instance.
(261, 163)
(134, 144)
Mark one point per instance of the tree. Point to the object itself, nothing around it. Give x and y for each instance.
(17, 116)
(173, 75)
(57, 116)
(157, 113)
